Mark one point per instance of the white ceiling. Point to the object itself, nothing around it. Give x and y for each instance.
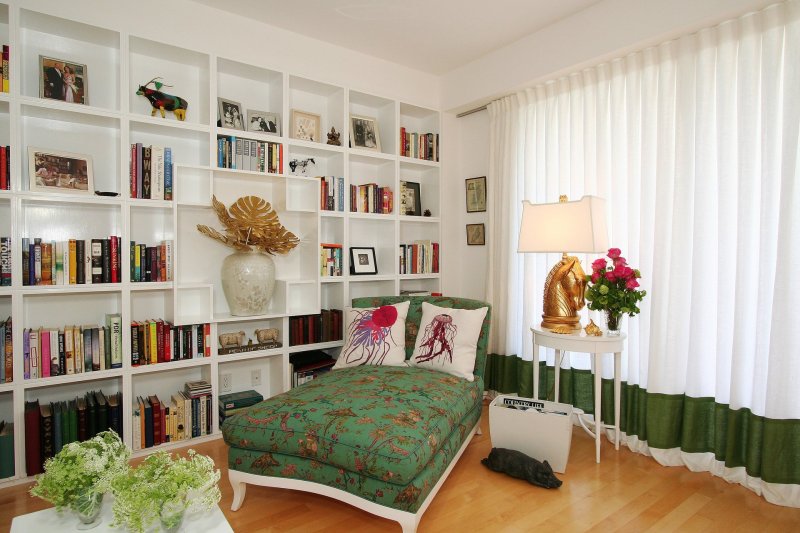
(434, 36)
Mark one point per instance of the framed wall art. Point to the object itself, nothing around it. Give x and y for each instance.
(305, 126)
(63, 80)
(476, 194)
(476, 234)
(364, 133)
(230, 114)
(263, 121)
(410, 199)
(55, 171)
(362, 261)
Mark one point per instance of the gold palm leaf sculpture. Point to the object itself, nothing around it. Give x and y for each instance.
(251, 224)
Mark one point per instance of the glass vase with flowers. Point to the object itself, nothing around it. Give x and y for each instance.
(612, 287)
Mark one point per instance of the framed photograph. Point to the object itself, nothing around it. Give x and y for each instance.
(476, 234)
(410, 199)
(476, 194)
(230, 114)
(364, 133)
(63, 80)
(362, 261)
(305, 126)
(263, 121)
(60, 171)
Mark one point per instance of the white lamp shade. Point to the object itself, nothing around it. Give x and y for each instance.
(564, 226)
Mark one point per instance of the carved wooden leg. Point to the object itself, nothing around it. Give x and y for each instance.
(239, 490)
(409, 524)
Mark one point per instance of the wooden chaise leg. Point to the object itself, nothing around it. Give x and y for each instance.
(409, 523)
(239, 490)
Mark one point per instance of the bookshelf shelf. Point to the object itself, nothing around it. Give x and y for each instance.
(177, 444)
(104, 128)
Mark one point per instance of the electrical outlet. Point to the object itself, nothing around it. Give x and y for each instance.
(226, 382)
(255, 377)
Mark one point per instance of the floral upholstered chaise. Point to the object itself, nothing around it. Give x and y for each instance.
(382, 438)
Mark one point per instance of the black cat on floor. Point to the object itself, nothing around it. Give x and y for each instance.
(517, 464)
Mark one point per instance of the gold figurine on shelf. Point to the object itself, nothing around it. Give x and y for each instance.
(592, 329)
(562, 329)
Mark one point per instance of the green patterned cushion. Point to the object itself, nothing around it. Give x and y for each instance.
(415, 315)
(378, 421)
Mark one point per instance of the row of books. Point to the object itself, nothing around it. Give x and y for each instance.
(310, 329)
(72, 349)
(71, 262)
(152, 263)
(370, 198)
(330, 260)
(248, 154)
(236, 402)
(419, 145)
(305, 366)
(5, 75)
(158, 341)
(419, 257)
(6, 352)
(6, 449)
(187, 415)
(49, 427)
(151, 172)
(5, 168)
(331, 193)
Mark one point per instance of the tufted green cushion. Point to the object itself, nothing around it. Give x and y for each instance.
(381, 422)
(415, 315)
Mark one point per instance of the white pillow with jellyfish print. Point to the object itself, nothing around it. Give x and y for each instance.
(374, 336)
(448, 339)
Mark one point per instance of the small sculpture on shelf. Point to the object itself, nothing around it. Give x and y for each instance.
(426, 213)
(333, 137)
(163, 101)
(592, 329)
(267, 335)
(232, 340)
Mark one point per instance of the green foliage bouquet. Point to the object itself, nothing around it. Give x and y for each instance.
(613, 287)
(163, 488)
(81, 471)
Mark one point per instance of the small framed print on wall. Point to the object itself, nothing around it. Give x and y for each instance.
(476, 194)
(476, 234)
(362, 261)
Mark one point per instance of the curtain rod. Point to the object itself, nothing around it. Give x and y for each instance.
(471, 111)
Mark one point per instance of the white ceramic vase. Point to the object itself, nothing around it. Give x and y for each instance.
(248, 280)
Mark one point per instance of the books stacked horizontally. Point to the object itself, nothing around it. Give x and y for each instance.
(330, 260)
(152, 263)
(151, 172)
(419, 145)
(6, 352)
(236, 402)
(71, 262)
(370, 198)
(331, 193)
(72, 349)
(158, 341)
(183, 416)
(306, 366)
(248, 154)
(6, 449)
(419, 257)
(310, 329)
(49, 427)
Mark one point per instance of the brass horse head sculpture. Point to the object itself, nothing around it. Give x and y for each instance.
(563, 295)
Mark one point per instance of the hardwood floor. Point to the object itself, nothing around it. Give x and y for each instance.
(625, 492)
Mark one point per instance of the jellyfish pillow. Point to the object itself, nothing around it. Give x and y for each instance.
(448, 339)
(375, 336)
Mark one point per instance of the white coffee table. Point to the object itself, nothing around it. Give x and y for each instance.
(65, 522)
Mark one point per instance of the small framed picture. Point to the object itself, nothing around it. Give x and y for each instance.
(476, 234)
(476, 194)
(60, 171)
(263, 121)
(364, 133)
(410, 199)
(305, 126)
(362, 261)
(63, 80)
(230, 114)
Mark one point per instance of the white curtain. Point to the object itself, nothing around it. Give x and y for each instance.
(694, 145)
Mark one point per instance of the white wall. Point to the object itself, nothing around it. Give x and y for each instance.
(199, 27)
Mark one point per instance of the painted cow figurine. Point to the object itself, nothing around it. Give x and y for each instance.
(266, 335)
(232, 340)
(163, 101)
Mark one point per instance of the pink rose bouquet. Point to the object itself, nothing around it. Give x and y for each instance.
(612, 286)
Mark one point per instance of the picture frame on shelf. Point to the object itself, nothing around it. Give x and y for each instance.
(410, 199)
(263, 121)
(362, 261)
(56, 171)
(305, 126)
(364, 133)
(230, 114)
(63, 80)
(476, 234)
(476, 194)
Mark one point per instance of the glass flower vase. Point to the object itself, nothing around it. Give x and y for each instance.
(171, 515)
(613, 323)
(87, 507)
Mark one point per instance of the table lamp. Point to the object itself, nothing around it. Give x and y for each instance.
(575, 226)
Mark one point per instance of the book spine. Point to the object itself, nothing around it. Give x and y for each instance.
(132, 177)
(5, 261)
(115, 262)
(97, 261)
(105, 255)
(80, 253)
(139, 170)
(33, 446)
(69, 350)
(73, 263)
(168, 173)
(146, 172)
(26, 277)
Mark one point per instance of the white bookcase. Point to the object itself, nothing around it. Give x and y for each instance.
(114, 118)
